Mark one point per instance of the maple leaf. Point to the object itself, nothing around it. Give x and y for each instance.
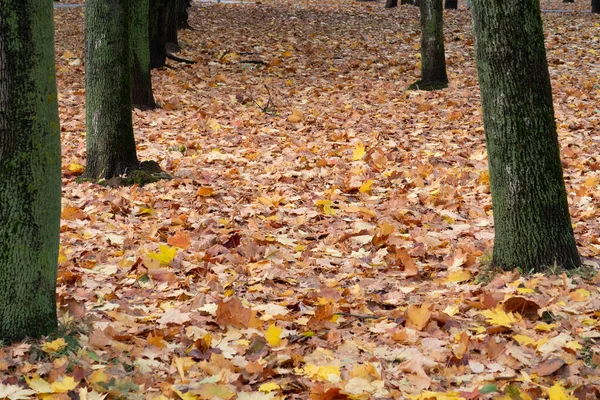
(418, 315)
(165, 254)
(273, 335)
(499, 317)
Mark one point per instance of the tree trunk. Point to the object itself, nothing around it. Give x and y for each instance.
(30, 175)
(413, 2)
(110, 142)
(183, 17)
(531, 215)
(142, 95)
(568, 1)
(391, 3)
(157, 30)
(433, 61)
(172, 22)
(596, 6)
(451, 4)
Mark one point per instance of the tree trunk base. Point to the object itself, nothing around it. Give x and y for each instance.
(146, 172)
(428, 86)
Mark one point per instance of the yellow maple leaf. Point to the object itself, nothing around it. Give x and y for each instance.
(573, 345)
(67, 54)
(273, 335)
(38, 384)
(54, 346)
(499, 317)
(186, 395)
(544, 327)
(428, 395)
(214, 125)
(461, 275)
(523, 340)
(359, 152)
(76, 169)
(165, 254)
(557, 392)
(269, 387)
(366, 187)
(329, 373)
(66, 384)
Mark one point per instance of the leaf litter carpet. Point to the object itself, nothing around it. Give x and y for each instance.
(325, 233)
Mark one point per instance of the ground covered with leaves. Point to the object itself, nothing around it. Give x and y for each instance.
(326, 233)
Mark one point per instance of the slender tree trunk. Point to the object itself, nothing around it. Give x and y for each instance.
(142, 95)
(172, 22)
(158, 33)
(531, 215)
(110, 142)
(30, 176)
(596, 6)
(433, 61)
(391, 3)
(183, 16)
(451, 4)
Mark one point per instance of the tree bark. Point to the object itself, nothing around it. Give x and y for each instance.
(451, 4)
(30, 174)
(531, 215)
(173, 22)
(596, 6)
(157, 30)
(142, 95)
(433, 61)
(391, 3)
(183, 16)
(110, 143)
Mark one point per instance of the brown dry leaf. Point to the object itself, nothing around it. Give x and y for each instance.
(181, 239)
(418, 316)
(549, 367)
(233, 313)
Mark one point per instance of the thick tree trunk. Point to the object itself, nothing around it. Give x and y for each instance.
(157, 30)
(30, 176)
(391, 3)
(433, 61)
(596, 6)
(142, 95)
(531, 215)
(451, 4)
(110, 142)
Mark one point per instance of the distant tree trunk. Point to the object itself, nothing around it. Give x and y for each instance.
(451, 4)
(30, 174)
(391, 3)
(413, 2)
(596, 6)
(173, 22)
(183, 14)
(110, 142)
(157, 29)
(142, 95)
(531, 215)
(433, 61)
(568, 1)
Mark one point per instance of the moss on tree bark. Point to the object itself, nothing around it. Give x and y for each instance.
(531, 216)
(30, 177)
(110, 143)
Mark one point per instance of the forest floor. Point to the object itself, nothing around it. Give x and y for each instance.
(326, 233)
